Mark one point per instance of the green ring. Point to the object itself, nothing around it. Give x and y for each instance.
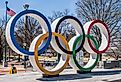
(74, 54)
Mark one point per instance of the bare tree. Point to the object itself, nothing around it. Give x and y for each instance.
(65, 28)
(26, 32)
(57, 14)
(108, 11)
(1, 39)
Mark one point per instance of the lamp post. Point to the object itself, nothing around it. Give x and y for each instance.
(26, 6)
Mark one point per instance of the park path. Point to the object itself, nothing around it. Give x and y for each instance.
(68, 75)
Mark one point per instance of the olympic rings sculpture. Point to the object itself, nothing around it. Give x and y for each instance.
(68, 50)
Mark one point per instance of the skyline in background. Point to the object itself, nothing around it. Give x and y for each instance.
(46, 7)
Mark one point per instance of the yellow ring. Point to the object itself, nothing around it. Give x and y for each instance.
(47, 72)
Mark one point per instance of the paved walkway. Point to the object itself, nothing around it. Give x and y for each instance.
(68, 75)
(18, 65)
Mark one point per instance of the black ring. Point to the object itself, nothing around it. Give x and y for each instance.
(57, 40)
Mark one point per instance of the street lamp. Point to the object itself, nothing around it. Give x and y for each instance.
(26, 6)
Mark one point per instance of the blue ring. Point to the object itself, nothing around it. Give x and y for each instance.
(12, 32)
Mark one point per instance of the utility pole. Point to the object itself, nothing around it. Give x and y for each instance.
(26, 6)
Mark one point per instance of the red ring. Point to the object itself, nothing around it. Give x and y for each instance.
(90, 27)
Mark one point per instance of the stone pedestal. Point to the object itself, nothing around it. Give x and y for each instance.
(49, 76)
(83, 72)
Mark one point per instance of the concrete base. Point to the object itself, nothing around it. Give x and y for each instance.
(49, 76)
(83, 72)
(5, 64)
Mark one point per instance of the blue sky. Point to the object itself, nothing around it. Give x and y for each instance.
(44, 6)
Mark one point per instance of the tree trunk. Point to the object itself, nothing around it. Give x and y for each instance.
(1, 55)
(19, 58)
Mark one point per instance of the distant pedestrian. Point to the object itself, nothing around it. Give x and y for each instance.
(13, 69)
